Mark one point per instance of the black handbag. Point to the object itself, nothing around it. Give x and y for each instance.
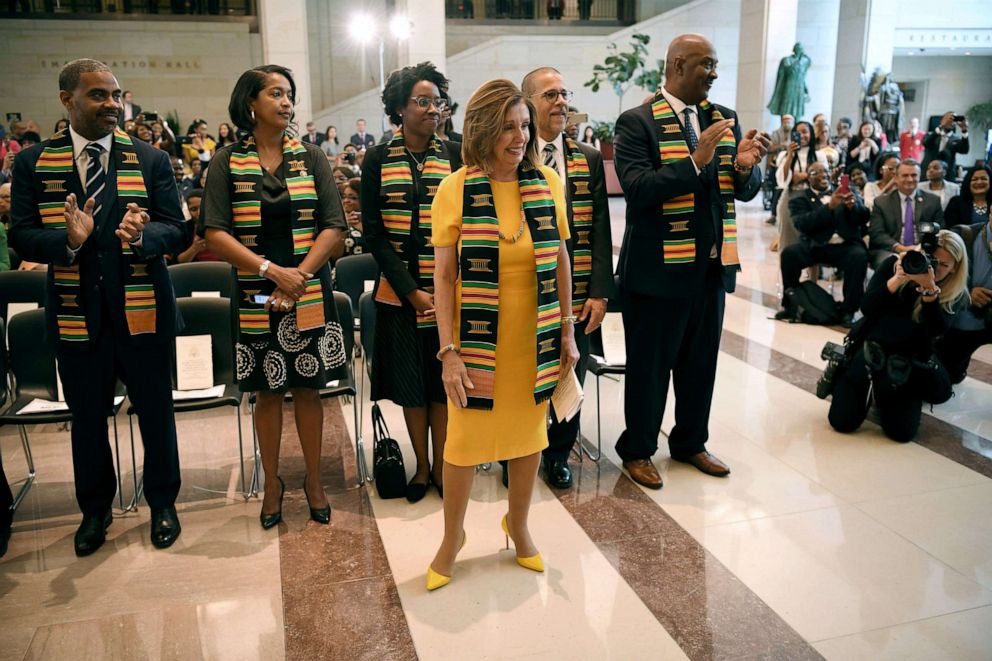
(387, 460)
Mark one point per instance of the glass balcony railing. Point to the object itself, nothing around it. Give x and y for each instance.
(609, 11)
(116, 8)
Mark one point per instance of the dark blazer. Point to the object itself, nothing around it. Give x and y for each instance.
(817, 222)
(646, 184)
(318, 141)
(357, 141)
(135, 111)
(885, 229)
(102, 265)
(601, 280)
(956, 144)
(958, 213)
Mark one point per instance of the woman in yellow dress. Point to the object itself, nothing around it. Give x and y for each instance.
(499, 228)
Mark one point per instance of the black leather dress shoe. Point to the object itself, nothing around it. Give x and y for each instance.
(557, 473)
(165, 527)
(92, 532)
(4, 540)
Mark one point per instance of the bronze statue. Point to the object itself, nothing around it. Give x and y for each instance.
(790, 95)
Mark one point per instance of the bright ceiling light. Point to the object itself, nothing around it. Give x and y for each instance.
(361, 28)
(399, 26)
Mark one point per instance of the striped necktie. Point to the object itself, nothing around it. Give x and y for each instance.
(96, 176)
(690, 132)
(549, 156)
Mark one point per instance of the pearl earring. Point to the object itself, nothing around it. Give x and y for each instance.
(252, 114)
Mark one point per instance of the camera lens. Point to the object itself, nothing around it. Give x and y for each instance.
(914, 263)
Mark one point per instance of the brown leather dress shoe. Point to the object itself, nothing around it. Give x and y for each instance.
(644, 473)
(707, 463)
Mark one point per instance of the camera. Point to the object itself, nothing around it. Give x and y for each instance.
(834, 354)
(917, 263)
(795, 136)
(958, 118)
(150, 116)
(350, 157)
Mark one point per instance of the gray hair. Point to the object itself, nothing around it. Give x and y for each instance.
(71, 72)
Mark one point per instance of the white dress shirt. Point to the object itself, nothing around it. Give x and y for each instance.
(82, 157)
(559, 143)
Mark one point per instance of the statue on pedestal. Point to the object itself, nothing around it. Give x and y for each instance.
(790, 95)
(882, 101)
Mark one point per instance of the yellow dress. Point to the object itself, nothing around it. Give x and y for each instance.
(516, 426)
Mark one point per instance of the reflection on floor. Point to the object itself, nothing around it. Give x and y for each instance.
(818, 544)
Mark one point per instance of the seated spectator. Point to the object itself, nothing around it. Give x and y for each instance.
(971, 206)
(890, 354)
(842, 139)
(879, 135)
(197, 250)
(61, 125)
(972, 326)
(225, 135)
(937, 183)
(331, 145)
(143, 132)
(831, 226)
(201, 146)
(7, 167)
(885, 178)
(129, 127)
(859, 180)
(342, 173)
(183, 184)
(354, 240)
(5, 253)
(29, 138)
(312, 136)
(589, 137)
(163, 137)
(348, 156)
(946, 141)
(911, 141)
(863, 147)
(825, 145)
(896, 217)
(791, 178)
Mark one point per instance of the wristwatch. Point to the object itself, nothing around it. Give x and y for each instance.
(263, 268)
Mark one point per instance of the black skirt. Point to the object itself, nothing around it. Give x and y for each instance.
(405, 368)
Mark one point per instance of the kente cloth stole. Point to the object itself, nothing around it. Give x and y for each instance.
(246, 208)
(398, 195)
(580, 179)
(680, 239)
(479, 262)
(52, 172)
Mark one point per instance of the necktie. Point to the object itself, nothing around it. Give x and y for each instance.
(689, 131)
(96, 177)
(549, 156)
(908, 233)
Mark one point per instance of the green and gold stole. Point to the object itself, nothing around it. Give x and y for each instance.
(480, 282)
(580, 179)
(398, 193)
(246, 207)
(680, 239)
(52, 172)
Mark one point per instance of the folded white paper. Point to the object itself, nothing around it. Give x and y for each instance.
(48, 406)
(205, 294)
(194, 362)
(567, 397)
(332, 384)
(614, 347)
(202, 393)
(369, 285)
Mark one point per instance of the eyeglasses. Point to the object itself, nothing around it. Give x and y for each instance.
(425, 102)
(552, 95)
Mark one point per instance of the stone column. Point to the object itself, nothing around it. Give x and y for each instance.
(768, 33)
(865, 40)
(283, 25)
(816, 30)
(427, 33)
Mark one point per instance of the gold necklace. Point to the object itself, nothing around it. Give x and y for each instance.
(520, 231)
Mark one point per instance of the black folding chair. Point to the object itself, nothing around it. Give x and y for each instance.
(598, 367)
(366, 333)
(350, 274)
(21, 287)
(202, 277)
(32, 366)
(210, 316)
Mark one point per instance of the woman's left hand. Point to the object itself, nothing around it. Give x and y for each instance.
(569, 352)
(279, 301)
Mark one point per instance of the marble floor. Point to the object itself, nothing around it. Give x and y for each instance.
(819, 545)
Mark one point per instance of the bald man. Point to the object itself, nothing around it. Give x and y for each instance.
(682, 162)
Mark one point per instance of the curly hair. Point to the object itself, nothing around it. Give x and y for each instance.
(400, 84)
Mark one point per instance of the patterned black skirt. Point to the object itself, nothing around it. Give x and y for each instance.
(405, 368)
(287, 358)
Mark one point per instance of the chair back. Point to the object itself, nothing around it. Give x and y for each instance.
(32, 362)
(366, 316)
(4, 386)
(21, 287)
(210, 316)
(346, 317)
(351, 272)
(202, 276)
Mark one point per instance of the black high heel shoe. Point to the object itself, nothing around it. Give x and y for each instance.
(439, 487)
(322, 515)
(269, 520)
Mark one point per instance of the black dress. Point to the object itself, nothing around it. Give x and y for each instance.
(405, 368)
(285, 358)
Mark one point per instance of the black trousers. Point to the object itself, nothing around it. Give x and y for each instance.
(562, 435)
(677, 339)
(955, 348)
(850, 258)
(88, 380)
(899, 409)
(6, 499)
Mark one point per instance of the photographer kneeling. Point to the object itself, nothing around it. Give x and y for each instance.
(907, 306)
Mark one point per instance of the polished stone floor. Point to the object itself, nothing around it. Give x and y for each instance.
(818, 544)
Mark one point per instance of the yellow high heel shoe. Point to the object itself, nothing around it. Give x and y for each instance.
(533, 563)
(435, 580)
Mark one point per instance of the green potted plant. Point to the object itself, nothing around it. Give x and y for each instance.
(603, 131)
(623, 70)
(980, 117)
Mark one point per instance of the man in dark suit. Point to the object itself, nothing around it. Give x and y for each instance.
(896, 216)
(590, 249)
(831, 229)
(682, 162)
(360, 138)
(945, 143)
(312, 136)
(111, 311)
(131, 110)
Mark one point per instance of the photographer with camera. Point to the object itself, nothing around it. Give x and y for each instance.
(831, 229)
(898, 214)
(945, 142)
(889, 356)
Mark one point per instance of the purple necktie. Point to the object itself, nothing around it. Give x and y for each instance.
(908, 235)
